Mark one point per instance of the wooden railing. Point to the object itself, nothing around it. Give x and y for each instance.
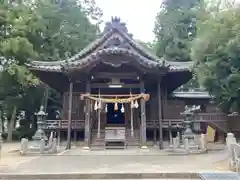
(199, 117)
(210, 117)
(166, 123)
(63, 124)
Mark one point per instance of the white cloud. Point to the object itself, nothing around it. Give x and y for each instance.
(139, 15)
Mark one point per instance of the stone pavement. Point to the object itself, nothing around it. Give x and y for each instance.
(122, 164)
(102, 163)
(10, 157)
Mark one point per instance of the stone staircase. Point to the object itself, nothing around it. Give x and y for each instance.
(98, 143)
(135, 140)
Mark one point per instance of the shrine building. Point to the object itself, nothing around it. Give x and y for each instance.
(117, 93)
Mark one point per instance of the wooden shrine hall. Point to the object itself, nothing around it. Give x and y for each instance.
(114, 90)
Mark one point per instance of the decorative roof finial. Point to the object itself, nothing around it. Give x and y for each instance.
(116, 19)
(116, 24)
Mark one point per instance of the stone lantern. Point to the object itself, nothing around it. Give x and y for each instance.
(188, 121)
(188, 117)
(41, 124)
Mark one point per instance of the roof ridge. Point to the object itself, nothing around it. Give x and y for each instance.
(137, 45)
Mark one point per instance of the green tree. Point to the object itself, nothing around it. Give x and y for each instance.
(39, 30)
(15, 51)
(175, 27)
(216, 54)
(62, 28)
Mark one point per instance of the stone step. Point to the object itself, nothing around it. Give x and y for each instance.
(97, 148)
(115, 147)
(101, 136)
(98, 141)
(97, 144)
(127, 176)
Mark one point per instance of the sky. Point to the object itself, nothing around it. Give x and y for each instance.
(139, 15)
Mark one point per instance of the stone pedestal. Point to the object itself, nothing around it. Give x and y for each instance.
(144, 147)
(54, 146)
(230, 139)
(41, 146)
(230, 142)
(186, 144)
(24, 146)
(176, 142)
(86, 148)
(203, 142)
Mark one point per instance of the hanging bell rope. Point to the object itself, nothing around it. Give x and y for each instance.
(118, 98)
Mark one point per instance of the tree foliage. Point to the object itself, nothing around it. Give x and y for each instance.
(175, 28)
(39, 30)
(216, 55)
(63, 28)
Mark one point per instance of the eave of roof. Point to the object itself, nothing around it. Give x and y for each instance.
(192, 94)
(114, 50)
(57, 65)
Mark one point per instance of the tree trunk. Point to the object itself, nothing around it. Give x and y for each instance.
(11, 124)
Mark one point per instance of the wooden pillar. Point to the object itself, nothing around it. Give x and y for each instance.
(58, 136)
(143, 119)
(46, 96)
(155, 121)
(87, 120)
(131, 119)
(99, 118)
(154, 134)
(69, 116)
(170, 132)
(160, 114)
(75, 135)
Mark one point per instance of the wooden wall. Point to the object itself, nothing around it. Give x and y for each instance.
(77, 107)
(173, 108)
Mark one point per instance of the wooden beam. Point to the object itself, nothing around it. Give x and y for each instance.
(113, 95)
(69, 116)
(119, 75)
(105, 85)
(160, 114)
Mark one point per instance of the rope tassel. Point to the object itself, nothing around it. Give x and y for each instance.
(95, 106)
(122, 109)
(115, 106)
(136, 104)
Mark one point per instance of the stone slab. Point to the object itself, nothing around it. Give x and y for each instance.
(220, 176)
(181, 175)
(119, 164)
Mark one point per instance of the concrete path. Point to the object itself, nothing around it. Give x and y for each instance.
(10, 157)
(122, 164)
(103, 163)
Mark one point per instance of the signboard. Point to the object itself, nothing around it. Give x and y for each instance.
(210, 134)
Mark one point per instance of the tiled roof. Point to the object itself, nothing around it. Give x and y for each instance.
(115, 50)
(55, 66)
(179, 66)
